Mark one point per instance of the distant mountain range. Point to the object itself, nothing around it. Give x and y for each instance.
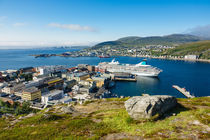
(135, 41)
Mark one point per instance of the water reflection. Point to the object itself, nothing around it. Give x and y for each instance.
(147, 80)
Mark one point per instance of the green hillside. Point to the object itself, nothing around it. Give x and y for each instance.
(200, 48)
(108, 119)
(134, 41)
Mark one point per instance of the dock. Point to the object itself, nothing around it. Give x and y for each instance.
(183, 91)
(124, 77)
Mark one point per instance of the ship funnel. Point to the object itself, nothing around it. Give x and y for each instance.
(114, 62)
(142, 63)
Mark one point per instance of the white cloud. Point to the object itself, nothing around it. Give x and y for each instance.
(29, 44)
(74, 27)
(203, 31)
(19, 24)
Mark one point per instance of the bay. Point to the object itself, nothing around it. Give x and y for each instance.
(194, 76)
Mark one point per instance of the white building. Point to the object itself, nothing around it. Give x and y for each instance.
(82, 97)
(2, 85)
(35, 82)
(45, 70)
(191, 57)
(11, 89)
(65, 100)
(53, 95)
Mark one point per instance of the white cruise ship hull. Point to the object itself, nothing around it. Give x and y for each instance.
(140, 69)
(148, 74)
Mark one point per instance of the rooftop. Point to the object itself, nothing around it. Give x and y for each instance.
(80, 74)
(31, 89)
(53, 80)
(52, 93)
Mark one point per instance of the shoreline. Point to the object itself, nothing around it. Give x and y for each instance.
(182, 59)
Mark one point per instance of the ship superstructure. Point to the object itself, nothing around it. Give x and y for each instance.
(141, 69)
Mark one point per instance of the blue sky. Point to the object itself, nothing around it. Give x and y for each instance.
(26, 23)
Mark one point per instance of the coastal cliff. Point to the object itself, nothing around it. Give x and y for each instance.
(108, 119)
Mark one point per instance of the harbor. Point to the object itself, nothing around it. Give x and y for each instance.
(163, 84)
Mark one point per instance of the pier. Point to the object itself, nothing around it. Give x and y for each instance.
(124, 77)
(183, 91)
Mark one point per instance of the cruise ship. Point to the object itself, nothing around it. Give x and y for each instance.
(141, 69)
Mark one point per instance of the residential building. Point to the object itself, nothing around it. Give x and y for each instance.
(11, 89)
(27, 69)
(71, 83)
(78, 76)
(100, 81)
(35, 83)
(81, 76)
(91, 68)
(55, 83)
(31, 94)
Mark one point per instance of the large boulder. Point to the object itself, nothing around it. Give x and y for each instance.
(147, 106)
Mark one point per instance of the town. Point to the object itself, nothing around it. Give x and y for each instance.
(148, 51)
(49, 85)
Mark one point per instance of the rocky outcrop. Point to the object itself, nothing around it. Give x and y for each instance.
(67, 109)
(147, 106)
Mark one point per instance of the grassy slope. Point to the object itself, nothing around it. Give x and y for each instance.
(201, 48)
(104, 117)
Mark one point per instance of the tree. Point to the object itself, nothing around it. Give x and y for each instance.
(2, 103)
(24, 109)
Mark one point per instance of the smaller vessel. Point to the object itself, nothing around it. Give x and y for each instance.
(104, 56)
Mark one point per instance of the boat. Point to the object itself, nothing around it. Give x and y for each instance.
(104, 56)
(140, 69)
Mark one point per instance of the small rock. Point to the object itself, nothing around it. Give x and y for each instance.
(138, 130)
(208, 129)
(120, 136)
(205, 132)
(96, 120)
(21, 117)
(30, 115)
(160, 133)
(47, 110)
(45, 116)
(196, 122)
